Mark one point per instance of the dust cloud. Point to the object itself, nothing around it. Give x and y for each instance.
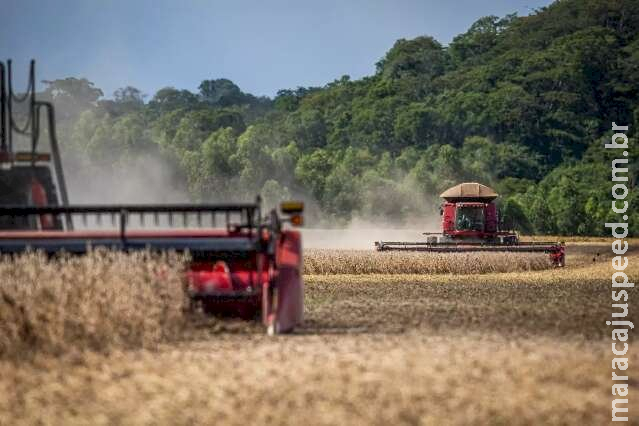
(142, 180)
(361, 234)
(153, 180)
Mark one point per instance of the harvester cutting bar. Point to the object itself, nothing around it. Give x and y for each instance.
(199, 248)
(556, 250)
(128, 208)
(443, 247)
(241, 234)
(248, 212)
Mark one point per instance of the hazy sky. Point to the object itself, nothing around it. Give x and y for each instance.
(262, 46)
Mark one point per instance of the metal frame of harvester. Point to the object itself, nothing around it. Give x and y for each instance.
(31, 129)
(250, 266)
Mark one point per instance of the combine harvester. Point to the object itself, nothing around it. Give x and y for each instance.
(241, 263)
(470, 224)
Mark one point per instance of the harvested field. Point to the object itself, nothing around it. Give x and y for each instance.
(321, 262)
(497, 348)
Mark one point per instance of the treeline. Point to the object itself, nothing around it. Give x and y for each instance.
(523, 104)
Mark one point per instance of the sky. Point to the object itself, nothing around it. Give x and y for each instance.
(263, 46)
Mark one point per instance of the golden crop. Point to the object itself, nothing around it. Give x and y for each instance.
(107, 300)
(498, 348)
(329, 262)
(93, 302)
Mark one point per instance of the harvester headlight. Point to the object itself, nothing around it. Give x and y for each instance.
(294, 209)
(297, 220)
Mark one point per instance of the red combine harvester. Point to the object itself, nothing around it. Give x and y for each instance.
(470, 223)
(242, 263)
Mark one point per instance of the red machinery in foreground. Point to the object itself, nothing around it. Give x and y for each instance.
(241, 263)
(470, 223)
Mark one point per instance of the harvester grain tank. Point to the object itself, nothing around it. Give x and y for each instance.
(470, 223)
(242, 263)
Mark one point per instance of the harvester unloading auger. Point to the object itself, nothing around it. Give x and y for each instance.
(241, 263)
(470, 224)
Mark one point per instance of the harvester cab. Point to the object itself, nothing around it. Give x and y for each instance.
(29, 177)
(470, 222)
(241, 263)
(469, 214)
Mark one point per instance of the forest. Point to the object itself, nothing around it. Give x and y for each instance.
(522, 104)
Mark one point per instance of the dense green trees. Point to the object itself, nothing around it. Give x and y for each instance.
(522, 104)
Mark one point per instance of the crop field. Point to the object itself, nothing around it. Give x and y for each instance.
(331, 262)
(96, 302)
(513, 341)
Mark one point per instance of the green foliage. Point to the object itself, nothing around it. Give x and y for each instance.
(415, 125)
(575, 200)
(71, 95)
(479, 39)
(513, 217)
(422, 56)
(195, 126)
(312, 169)
(125, 100)
(170, 99)
(521, 104)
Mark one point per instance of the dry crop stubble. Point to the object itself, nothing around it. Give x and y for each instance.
(94, 302)
(362, 379)
(525, 347)
(558, 301)
(329, 262)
